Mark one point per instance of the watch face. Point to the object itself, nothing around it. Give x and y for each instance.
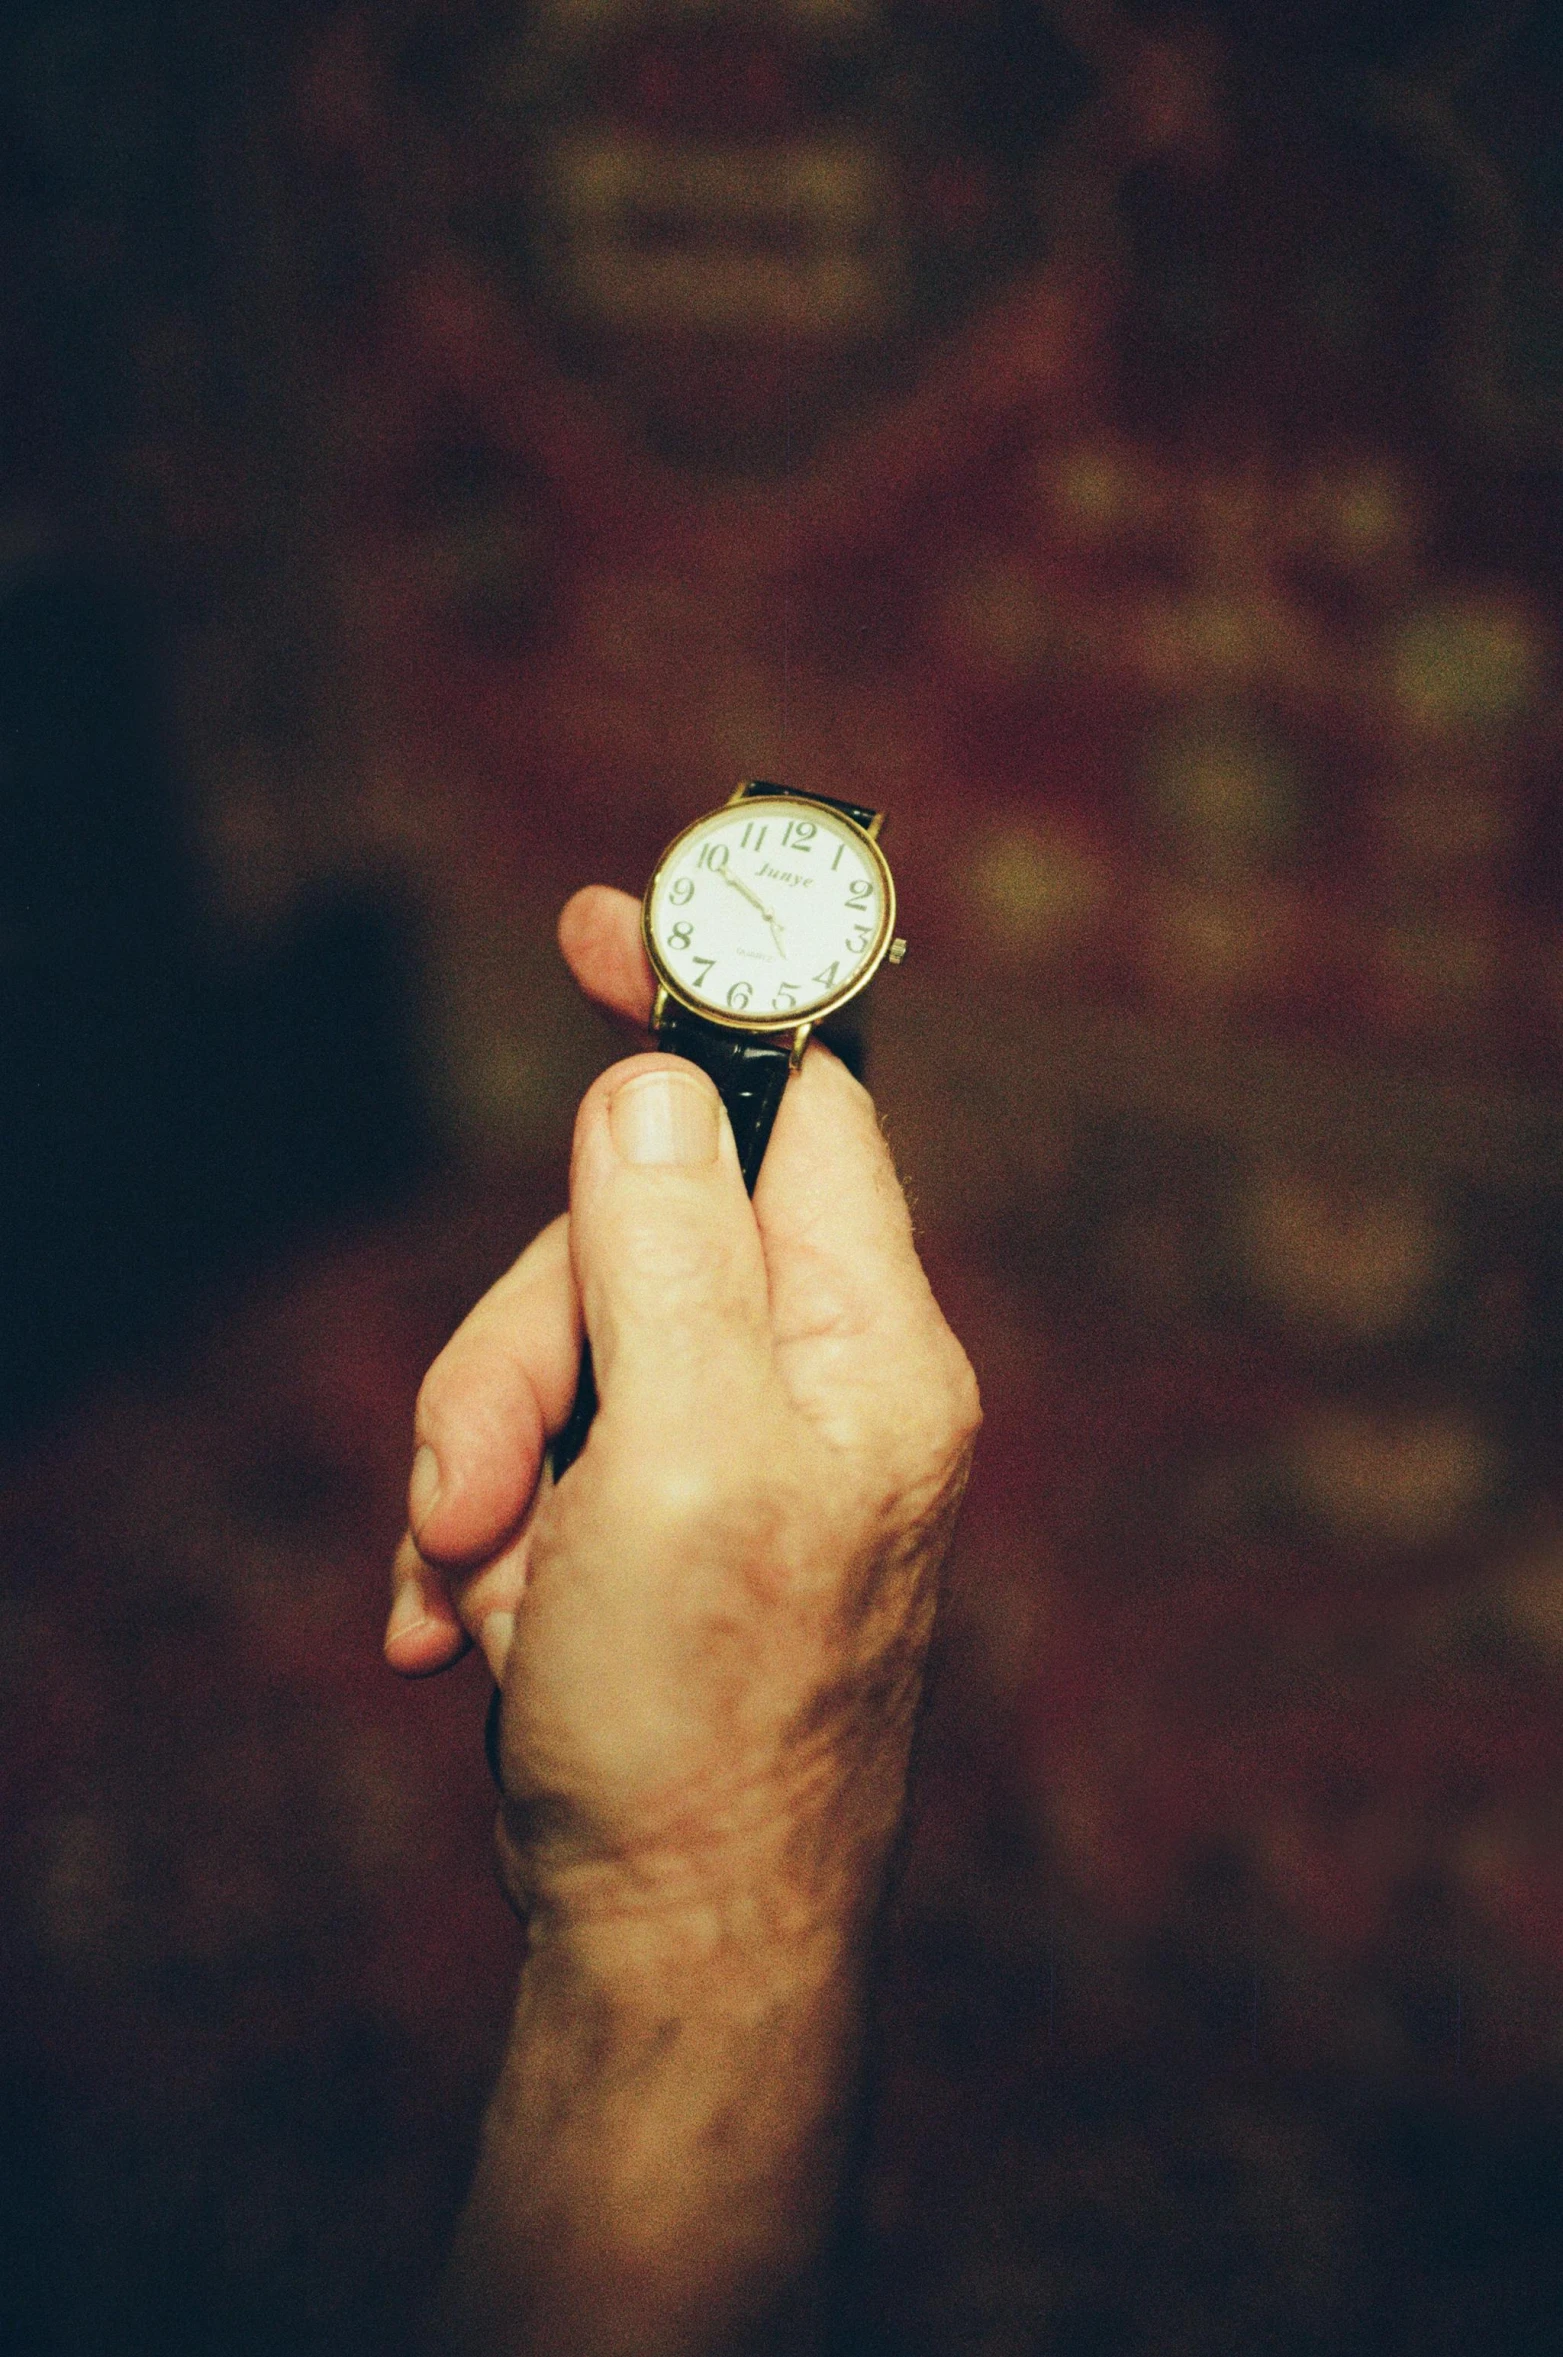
(769, 913)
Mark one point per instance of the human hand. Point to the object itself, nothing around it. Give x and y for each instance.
(710, 1634)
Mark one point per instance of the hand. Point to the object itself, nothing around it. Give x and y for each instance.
(710, 1634)
(709, 1638)
(755, 901)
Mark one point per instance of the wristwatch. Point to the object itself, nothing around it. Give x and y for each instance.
(764, 921)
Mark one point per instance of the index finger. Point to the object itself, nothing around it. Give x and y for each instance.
(848, 1292)
(599, 934)
(486, 1408)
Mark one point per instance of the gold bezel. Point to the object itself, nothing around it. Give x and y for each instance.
(820, 1011)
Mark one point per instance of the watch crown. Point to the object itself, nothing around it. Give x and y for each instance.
(896, 952)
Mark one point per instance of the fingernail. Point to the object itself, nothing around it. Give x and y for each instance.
(666, 1117)
(407, 1610)
(423, 1487)
(494, 1638)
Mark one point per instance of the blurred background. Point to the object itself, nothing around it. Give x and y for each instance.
(442, 449)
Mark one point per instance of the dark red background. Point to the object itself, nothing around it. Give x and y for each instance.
(1172, 554)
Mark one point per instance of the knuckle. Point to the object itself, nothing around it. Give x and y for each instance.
(923, 1452)
(678, 1501)
(478, 1387)
(948, 1405)
(426, 1407)
(722, 1511)
(964, 1398)
(432, 1405)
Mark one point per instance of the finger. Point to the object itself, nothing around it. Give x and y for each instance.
(835, 1223)
(841, 1260)
(423, 1633)
(599, 933)
(667, 1256)
(502, 1385)
(487, 1602)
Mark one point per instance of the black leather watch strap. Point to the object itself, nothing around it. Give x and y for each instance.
(750, 1075)
(856, 811)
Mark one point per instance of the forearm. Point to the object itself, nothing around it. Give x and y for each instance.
(661, 2163)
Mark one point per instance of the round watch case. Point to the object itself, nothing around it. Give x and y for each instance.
(810, 1012)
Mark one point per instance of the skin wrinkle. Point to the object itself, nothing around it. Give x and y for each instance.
(745, 1386)
(646, 1250)
(867, 1412)
(706, 1821)
(847, 1311)
(825, 1308)
(614, 2047)
(712, 1818)
(494, 1531)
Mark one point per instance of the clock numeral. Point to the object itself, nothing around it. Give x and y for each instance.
(712, 855)
(683, 934)
(740, 994)
(798, 834)
(758, 829)
(683, 891)
(859, 941)
(704, 966)
(859, 892)
(836, 862)
(827, 980)
(786, 997)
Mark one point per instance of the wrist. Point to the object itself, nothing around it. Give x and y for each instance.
(729, 1976)
(693, 2068)
(731, 1866)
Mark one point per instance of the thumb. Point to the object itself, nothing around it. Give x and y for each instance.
(667, 1258)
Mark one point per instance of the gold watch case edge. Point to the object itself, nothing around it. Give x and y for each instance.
(762, 1027)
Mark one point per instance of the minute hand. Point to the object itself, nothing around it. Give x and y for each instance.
(755, 901)
(753, 898)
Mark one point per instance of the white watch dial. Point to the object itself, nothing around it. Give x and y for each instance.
(768, 910)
